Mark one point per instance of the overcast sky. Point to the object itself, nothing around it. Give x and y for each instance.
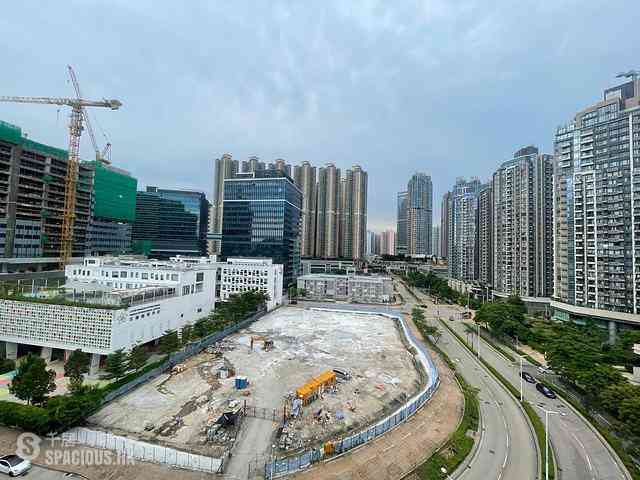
(450, 88)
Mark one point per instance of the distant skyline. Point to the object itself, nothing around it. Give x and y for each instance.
(446, 88)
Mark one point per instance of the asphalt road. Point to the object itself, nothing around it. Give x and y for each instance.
(41, 473)
(579, 452)
(506, 448)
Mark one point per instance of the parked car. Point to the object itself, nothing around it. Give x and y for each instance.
(528, 377)
(546, 391)
(544, 371)
(13, 465)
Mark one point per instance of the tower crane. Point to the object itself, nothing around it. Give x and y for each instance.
(100, 155)
(75, 130)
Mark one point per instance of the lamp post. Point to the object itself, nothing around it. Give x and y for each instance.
(478, 349)
(521, 382)
(546, 436)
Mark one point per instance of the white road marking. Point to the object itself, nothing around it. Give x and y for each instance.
(586, 455)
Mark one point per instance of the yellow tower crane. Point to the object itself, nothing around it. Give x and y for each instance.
(77, 116)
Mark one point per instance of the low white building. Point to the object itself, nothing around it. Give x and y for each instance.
(239, 275)
(353, 288)
(109, 303)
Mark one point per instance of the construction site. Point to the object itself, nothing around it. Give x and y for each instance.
(294, 379)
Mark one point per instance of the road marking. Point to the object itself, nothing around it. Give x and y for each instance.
(586, 455)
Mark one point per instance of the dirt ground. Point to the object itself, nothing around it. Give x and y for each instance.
(174, 410)
(399, 452)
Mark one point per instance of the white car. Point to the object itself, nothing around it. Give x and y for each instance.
(13, 465)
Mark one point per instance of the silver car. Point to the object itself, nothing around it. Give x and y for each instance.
(13, 465)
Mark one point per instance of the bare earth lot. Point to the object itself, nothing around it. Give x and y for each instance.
(174, 410)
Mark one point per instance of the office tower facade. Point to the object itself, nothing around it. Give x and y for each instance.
(261, 218)
(401, 223)
(328, 204)
(224, 167)
(596, 209)
(462, 235)
(113, 209)
(435, 241)
(484, 235)
(170, 223)
(419, 215)
(445, 219)
(304, 176)
(345, 216)
(522, 219)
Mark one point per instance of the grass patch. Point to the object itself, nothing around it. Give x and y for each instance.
(538, 426)
(453, 453)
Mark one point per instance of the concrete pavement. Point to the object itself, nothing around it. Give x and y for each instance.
(580, 453)
(507, 447)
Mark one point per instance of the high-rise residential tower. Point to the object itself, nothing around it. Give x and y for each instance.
(462, 236)
(484, 236)
(522, 206)
(359, 182)
(305, 178)
(328, 204)
(596, 210)
(401, 224)
(419, 215)
(224, 167)
(435, 241)
(445, 219)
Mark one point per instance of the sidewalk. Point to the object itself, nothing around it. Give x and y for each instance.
(400, 451)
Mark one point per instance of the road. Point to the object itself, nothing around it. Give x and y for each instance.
(579, 452)
(506, 448)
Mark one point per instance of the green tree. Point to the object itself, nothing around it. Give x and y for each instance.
(137, 357)
(186, 334)
(169, 342)
(433, 332)
(75, 367)
(33, 382)
(202, 327)
(612, 397)
(630, 414)
(116, 364)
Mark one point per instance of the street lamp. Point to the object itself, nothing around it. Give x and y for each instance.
(521, 382)
(546, 436)
(478, 349)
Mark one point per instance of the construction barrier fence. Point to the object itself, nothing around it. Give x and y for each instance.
(129, 450)
(284, 466)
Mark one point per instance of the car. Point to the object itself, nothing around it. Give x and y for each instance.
(13, 465)
(528, 377)
(544, 371)
(546, 391)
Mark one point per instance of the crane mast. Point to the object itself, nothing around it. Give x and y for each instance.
(78, 115)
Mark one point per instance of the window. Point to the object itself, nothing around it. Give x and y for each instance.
(123, 274)
(145, 276)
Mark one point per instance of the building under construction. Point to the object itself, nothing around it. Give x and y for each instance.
(32, 200)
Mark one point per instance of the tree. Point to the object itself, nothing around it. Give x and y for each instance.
(613, 396)
(432, 332)
(76, 366)
(137, 357)
(116, 364)
(186, 334)
(169, 342)
(202, 328)
(33, 381)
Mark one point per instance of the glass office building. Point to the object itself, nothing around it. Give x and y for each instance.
(261, 218)
(165, 227)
